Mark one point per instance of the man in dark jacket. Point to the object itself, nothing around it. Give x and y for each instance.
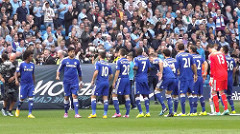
(22, 12)
(47, 58)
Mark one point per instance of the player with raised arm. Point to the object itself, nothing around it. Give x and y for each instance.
(142, 66)
(173, 64)
(188, 74)
(198, 85)
(231, 72)
(102, 75)
(72, 74)
(121, 83)
(26, 71)
(218, 77)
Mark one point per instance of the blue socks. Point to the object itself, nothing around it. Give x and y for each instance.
(19, 104)
(139, 104)
(175, 100)
(160, 99)
(202, 101)
(30, 105)
(195, 103)
(127, 105)
(170, 103)
(105, 107)
(116, 104)
(146, 100)
(229, 98)
(75, 103)
(190, 98)
(183, 100)
(66, 105)
(93, 105)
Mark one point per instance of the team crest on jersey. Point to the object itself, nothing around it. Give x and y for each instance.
(25, 66)
(67, 62)
(75, 63)
(31, 66)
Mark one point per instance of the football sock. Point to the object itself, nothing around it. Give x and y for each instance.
(93, 105)
(116, 104)
(19, 104)
(183, 99)
(190, 98)
(30, 105)
(139, 104)
(66, 105)
(215, 101)
(146, 100)
(170, 103)
(75, 103)
(195, 103)
(211, 106)
(202, 101)
(105, 107)
(175, 100)
(127, 105)
(160, 98)
(229, 97)
(224, 99)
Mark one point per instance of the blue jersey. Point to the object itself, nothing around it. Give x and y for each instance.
(143, 64)
(173, 64)
(185, 62)
(231, 65)
(198, 59)
(71, 68)
(167, 71)
(26, 71)
(104, 70)
(123, 66)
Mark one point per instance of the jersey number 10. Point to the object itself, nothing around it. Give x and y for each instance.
(105, 71)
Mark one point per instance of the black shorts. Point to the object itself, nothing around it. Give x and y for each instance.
(10, 93)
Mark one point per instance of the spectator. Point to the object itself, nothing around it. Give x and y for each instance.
(213, 4)
(47, 58)
(22, 12)
(15, 6)
(220, 21)
(21, 48)
(48, 15)
(37, 10)
(4, 31)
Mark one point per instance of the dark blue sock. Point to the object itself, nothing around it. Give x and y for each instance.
(116, 104)
(160, 99)
(190, 98)
(183, 100)
(127, 105)
(195, 103)
(30, 105)
(66, 105)
(229, 98)
(19, 104)
(146, 104)
(139, 105)
(170, 103)
(175, 100)
(94, 106)
(105, 107)
(202, 101)
(75, 103)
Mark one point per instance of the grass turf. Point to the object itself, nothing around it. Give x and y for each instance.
(52, 121)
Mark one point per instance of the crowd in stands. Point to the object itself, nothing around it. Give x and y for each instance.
(49, 27)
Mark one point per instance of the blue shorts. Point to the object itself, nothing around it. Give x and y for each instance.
(175, 89)
(101, 88)
(70, 88)
(122, 86)
(167, 84)
(230, 87)
(186, 86)
(198, 87)
(141, 87)
(26, 90)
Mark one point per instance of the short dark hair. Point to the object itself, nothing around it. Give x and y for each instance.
(167, 52)
(71, 49)
(26, 54)
(225, 49)
(102, 54)
(123, 52)
(210, 46)
(139, 51)
(193, 48)
(180, 46)
(4, 56)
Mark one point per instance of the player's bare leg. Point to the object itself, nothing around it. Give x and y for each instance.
(93, 105)
(105, 101)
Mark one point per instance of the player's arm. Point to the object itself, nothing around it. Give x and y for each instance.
(135, 64)
(205, 64)
(17, 74)
(79, 73)
(160, 70)
(95, 74)
(60, 67)
(194, 69)
(33, 75)
(234, 68)
(115, 77)
(212, 69)
(1, 78)
(110, 74)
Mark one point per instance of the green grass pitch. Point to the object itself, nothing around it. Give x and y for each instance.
(52, 122)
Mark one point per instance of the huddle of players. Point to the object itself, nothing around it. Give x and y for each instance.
(185, 70)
